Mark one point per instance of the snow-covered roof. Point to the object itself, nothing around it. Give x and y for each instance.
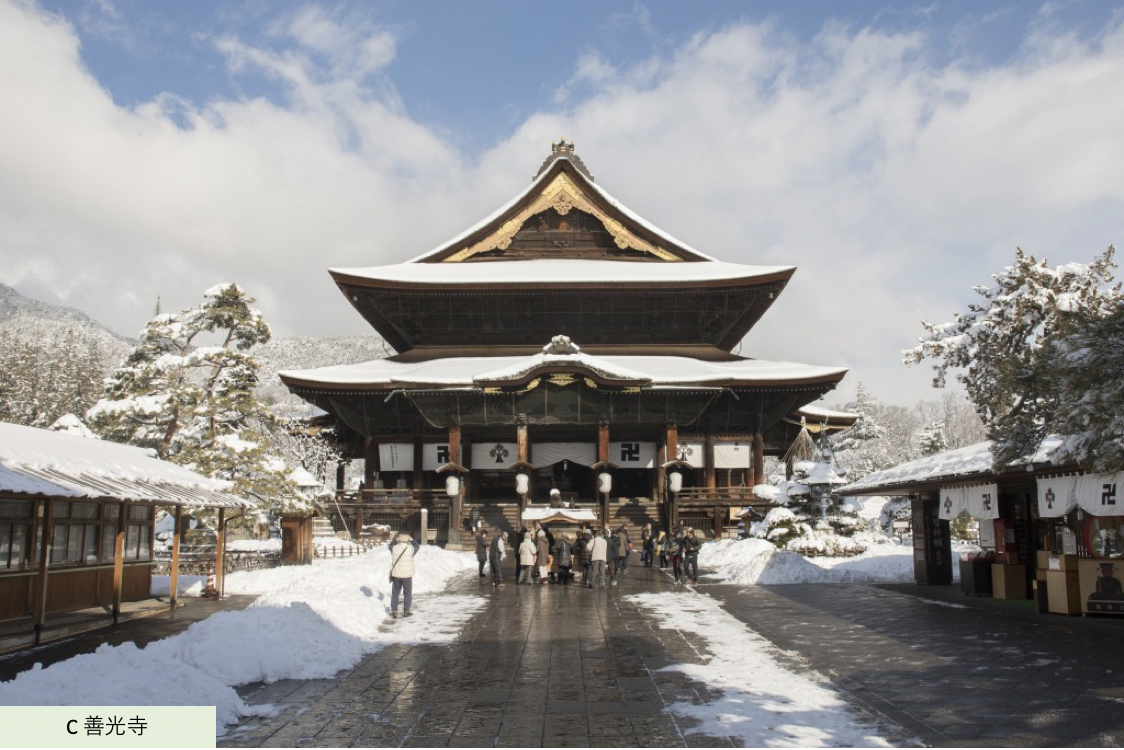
(42, 462)
(819, 413)
(553, 271)
(545, 515)
(660, 370)
(540, 181)
(958, 465)
(302, 477)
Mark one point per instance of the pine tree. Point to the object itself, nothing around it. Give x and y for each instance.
(932, 440)
(186, 391)
(862, 448)
(1036, 357)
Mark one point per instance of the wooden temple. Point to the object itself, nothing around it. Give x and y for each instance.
(562, 343)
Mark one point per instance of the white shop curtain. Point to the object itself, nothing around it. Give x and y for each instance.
(731, 456)
(983, 501)
(548, 454)
(954, 501)
(691, 452)
(396, 456)
(633, 455)
(494, 455)
(1100, 494)
(435, 455)
(1057, 496)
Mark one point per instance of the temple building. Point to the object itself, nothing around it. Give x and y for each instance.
(563, 343)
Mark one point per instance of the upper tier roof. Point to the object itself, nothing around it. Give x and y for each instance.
(563, 236)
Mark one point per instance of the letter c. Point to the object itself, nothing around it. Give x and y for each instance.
(68, 729)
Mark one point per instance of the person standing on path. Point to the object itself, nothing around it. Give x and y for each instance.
(612, 555)
(402, 551)
(496, 553)
(481, 551)
(598, 550)
(624, 542)
(647, 545)
(519, 537)
(542, 556)
(662, 543)
(674, 547)
(565, 556)
(691, 546)
(582, 550)
(527, 553)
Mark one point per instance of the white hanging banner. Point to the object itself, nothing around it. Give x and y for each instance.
(983, 501)
(396, 456)
(548, 454)
(492, 456)
(1100, 494)
(633, 455)
(954, 501)
(435, 455)
(692, 453)
(1057, 496)
(732, 455)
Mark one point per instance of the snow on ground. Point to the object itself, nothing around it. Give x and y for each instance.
(309, 621)
(756, 561)
(254, 545)
(764, 704)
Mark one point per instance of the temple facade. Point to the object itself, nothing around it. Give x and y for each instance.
(563, 343)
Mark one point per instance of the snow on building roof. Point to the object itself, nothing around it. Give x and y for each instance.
(545, 515)
(819, 413)
(955, 466)
(660, 370)
(302, 477)
(42, 462)
(562, 271)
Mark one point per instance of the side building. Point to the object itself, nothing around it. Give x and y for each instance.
(562, 343)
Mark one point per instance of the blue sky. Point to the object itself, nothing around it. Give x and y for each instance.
(897, 153)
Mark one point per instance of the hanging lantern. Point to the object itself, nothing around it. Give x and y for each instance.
(675, 482)
(452, 485)
(605, 482)
(522, 483)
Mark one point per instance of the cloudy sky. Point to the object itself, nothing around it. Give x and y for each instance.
(896, 153)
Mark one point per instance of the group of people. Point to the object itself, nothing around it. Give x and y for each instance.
(595, 558)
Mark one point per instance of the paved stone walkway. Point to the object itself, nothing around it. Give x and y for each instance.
(978, 673)
(569, 667)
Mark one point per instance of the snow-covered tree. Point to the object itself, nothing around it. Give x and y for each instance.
(186, 391)
(862, 448)
(932, 439)
(1033, 359)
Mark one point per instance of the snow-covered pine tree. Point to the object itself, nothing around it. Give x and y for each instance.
(932, 440)
(1029, 351)
(186, 391)
(862, 448)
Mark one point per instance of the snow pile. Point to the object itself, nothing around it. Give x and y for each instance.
(254, 545)
(309, 621)
(756, 561)
(763, 703)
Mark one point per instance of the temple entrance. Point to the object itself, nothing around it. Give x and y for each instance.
(574, 481)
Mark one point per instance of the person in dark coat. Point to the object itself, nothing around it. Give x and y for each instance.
(624, 544)
(580, 552)
(691, 546)
(481, 551)
(564, 556)
(519, 537)
(612, 556)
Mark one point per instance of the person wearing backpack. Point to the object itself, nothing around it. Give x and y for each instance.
(564, 554)
(582, 552)
(402, 551)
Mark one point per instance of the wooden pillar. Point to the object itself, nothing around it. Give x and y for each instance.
(708, 464)
(119, 561)
(603, 457)
(672, 451)
(758, 459)
(341, 475)
(42, 576)
(370, 462)
(358, 522)
(220, 549)
(522, 442)
(174, 573)
(672, 441)
(719, 521)
(455, 503)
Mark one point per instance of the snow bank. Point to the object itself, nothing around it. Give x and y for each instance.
(308, 621)
(763, 703)
(756, 561)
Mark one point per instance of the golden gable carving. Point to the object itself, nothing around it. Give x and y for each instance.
(563, 195)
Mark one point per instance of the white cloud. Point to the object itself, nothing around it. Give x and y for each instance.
(895, 183)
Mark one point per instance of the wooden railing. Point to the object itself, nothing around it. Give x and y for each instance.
(392, 496)
(717, 496)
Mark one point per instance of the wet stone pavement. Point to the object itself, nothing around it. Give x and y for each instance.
(952, 670)
(539, 666)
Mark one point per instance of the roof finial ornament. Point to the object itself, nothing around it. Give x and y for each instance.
(561, 345)
(563, 149)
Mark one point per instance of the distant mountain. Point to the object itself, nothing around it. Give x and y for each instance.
(14, 305)
(307, 352)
